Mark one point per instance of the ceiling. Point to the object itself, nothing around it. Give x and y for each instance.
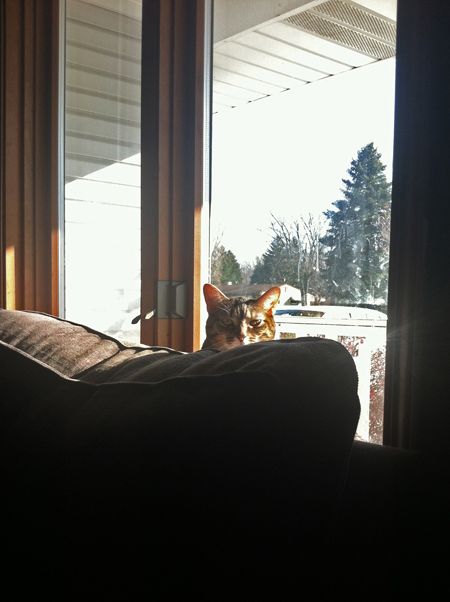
(309, 42)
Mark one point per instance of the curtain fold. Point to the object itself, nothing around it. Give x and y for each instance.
(29, 142)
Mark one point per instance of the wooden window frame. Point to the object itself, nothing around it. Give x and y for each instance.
(174, 170)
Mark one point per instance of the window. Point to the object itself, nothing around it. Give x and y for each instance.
(132, 236)
(102, 196)
(303, 118)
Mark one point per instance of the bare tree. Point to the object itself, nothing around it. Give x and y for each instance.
(294, 255)
(247, 269)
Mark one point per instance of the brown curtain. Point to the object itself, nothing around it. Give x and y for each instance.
(417, 408)
(29, 96)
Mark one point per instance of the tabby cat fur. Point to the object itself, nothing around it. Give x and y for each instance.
(238, 321)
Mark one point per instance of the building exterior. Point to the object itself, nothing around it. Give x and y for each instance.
(288, 295)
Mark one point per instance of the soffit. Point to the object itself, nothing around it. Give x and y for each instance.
(316, 40)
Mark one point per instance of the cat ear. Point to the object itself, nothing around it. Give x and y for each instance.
(213, 297)
(269, 299)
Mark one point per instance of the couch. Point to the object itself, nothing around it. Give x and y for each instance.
(137, 470)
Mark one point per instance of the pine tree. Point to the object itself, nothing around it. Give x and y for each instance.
(357, 239)
(231, 270)
(277, 263)
(224, 266)
(259, 274)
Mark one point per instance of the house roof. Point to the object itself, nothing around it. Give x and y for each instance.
(253, 291)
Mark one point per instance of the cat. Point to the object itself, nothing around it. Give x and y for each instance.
(238, 321)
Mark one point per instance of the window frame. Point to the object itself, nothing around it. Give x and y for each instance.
(175, 170)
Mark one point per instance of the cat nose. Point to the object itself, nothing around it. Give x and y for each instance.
(242, 336)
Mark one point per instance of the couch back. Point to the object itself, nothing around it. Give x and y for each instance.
(229, 469)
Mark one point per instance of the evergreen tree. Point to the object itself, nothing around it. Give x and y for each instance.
(277, 264)
(224, 266)
(231, 270)
(357, 239)
(259, 272)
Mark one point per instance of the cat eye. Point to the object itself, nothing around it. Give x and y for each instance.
(256, 323)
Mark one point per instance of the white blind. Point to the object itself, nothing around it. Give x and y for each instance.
(103, 84)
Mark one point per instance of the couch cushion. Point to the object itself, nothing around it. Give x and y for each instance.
(198, 479)
(233, 467)
(80, 352)
(202, 477)
(74, 350)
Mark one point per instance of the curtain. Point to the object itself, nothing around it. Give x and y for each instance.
(29, 176)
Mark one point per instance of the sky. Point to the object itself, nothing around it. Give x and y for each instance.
(286, 155)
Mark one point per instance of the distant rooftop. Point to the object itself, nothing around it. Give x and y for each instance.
(253, 291)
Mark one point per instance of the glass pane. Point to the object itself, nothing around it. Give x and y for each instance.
(303, 108)
(102, 164)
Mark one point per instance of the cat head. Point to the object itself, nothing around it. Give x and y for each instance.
(238, 321)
